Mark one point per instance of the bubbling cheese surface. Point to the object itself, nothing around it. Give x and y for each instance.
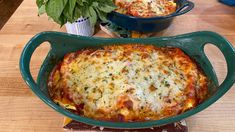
(128, 82)
(146, 8)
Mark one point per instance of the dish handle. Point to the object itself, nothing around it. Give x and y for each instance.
(229, 54)
(25, 58)
(186, 7)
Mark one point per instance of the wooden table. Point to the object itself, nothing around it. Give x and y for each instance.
(21, 110)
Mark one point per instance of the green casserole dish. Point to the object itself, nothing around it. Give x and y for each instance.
(192, 44)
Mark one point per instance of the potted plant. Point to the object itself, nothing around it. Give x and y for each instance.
(79, 16)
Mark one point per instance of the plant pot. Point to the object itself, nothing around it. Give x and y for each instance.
(81, 27)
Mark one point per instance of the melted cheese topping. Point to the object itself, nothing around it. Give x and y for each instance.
(146, 8)
(128, 82)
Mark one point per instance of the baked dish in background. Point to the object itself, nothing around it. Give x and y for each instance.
(127, 83)
(148, 16)
(146, 8)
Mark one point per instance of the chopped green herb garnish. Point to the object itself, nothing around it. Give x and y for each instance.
(85, 88)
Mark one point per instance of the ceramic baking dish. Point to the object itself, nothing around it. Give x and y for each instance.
(192, 44)
(152, 24)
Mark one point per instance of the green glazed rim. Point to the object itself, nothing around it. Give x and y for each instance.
(192, 44)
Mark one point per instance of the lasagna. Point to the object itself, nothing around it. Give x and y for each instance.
(146, 8)
(127, 83)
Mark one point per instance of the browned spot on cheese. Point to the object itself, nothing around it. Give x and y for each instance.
(131, 90)
(145, 55)
(124, 70)
(152, 88)
(166, 72)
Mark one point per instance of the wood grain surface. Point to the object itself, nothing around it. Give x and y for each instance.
(22, 111)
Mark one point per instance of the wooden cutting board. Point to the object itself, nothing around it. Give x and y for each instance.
(22, 111)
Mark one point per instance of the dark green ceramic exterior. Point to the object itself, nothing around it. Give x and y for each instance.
(152, 24)
(192, 44)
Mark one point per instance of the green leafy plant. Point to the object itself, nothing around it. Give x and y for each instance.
(62, 11)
